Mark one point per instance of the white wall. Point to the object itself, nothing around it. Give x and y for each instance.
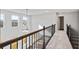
(8, 32)
(51, 18)
(46, 19)
(71, 18)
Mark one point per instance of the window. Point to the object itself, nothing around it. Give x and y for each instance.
(24, 22)
(14, 19)
(14, 23)
(1, 20)
(25, 18)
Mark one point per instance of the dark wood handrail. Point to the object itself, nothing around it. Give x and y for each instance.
(3, 44)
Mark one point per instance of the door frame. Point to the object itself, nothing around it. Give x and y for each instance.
(61, 28)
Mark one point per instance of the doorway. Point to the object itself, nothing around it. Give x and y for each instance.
(61, 22)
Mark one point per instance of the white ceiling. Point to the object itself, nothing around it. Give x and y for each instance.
(23, 11)
(41, 11)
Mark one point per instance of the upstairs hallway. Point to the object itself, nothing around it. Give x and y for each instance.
(59, 40)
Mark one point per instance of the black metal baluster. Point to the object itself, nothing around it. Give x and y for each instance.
(22, 43)
(29, 42)
(26, 42)
(52, 29)
(17, 44)
(32, 41)
(69, 32)
(36, 40)
(43, 37)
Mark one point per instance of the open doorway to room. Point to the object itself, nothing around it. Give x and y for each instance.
(61, 22)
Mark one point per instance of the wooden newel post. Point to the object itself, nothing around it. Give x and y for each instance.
(43, 37)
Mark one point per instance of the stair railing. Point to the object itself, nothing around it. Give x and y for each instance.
(74, 39)
(30, 41)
